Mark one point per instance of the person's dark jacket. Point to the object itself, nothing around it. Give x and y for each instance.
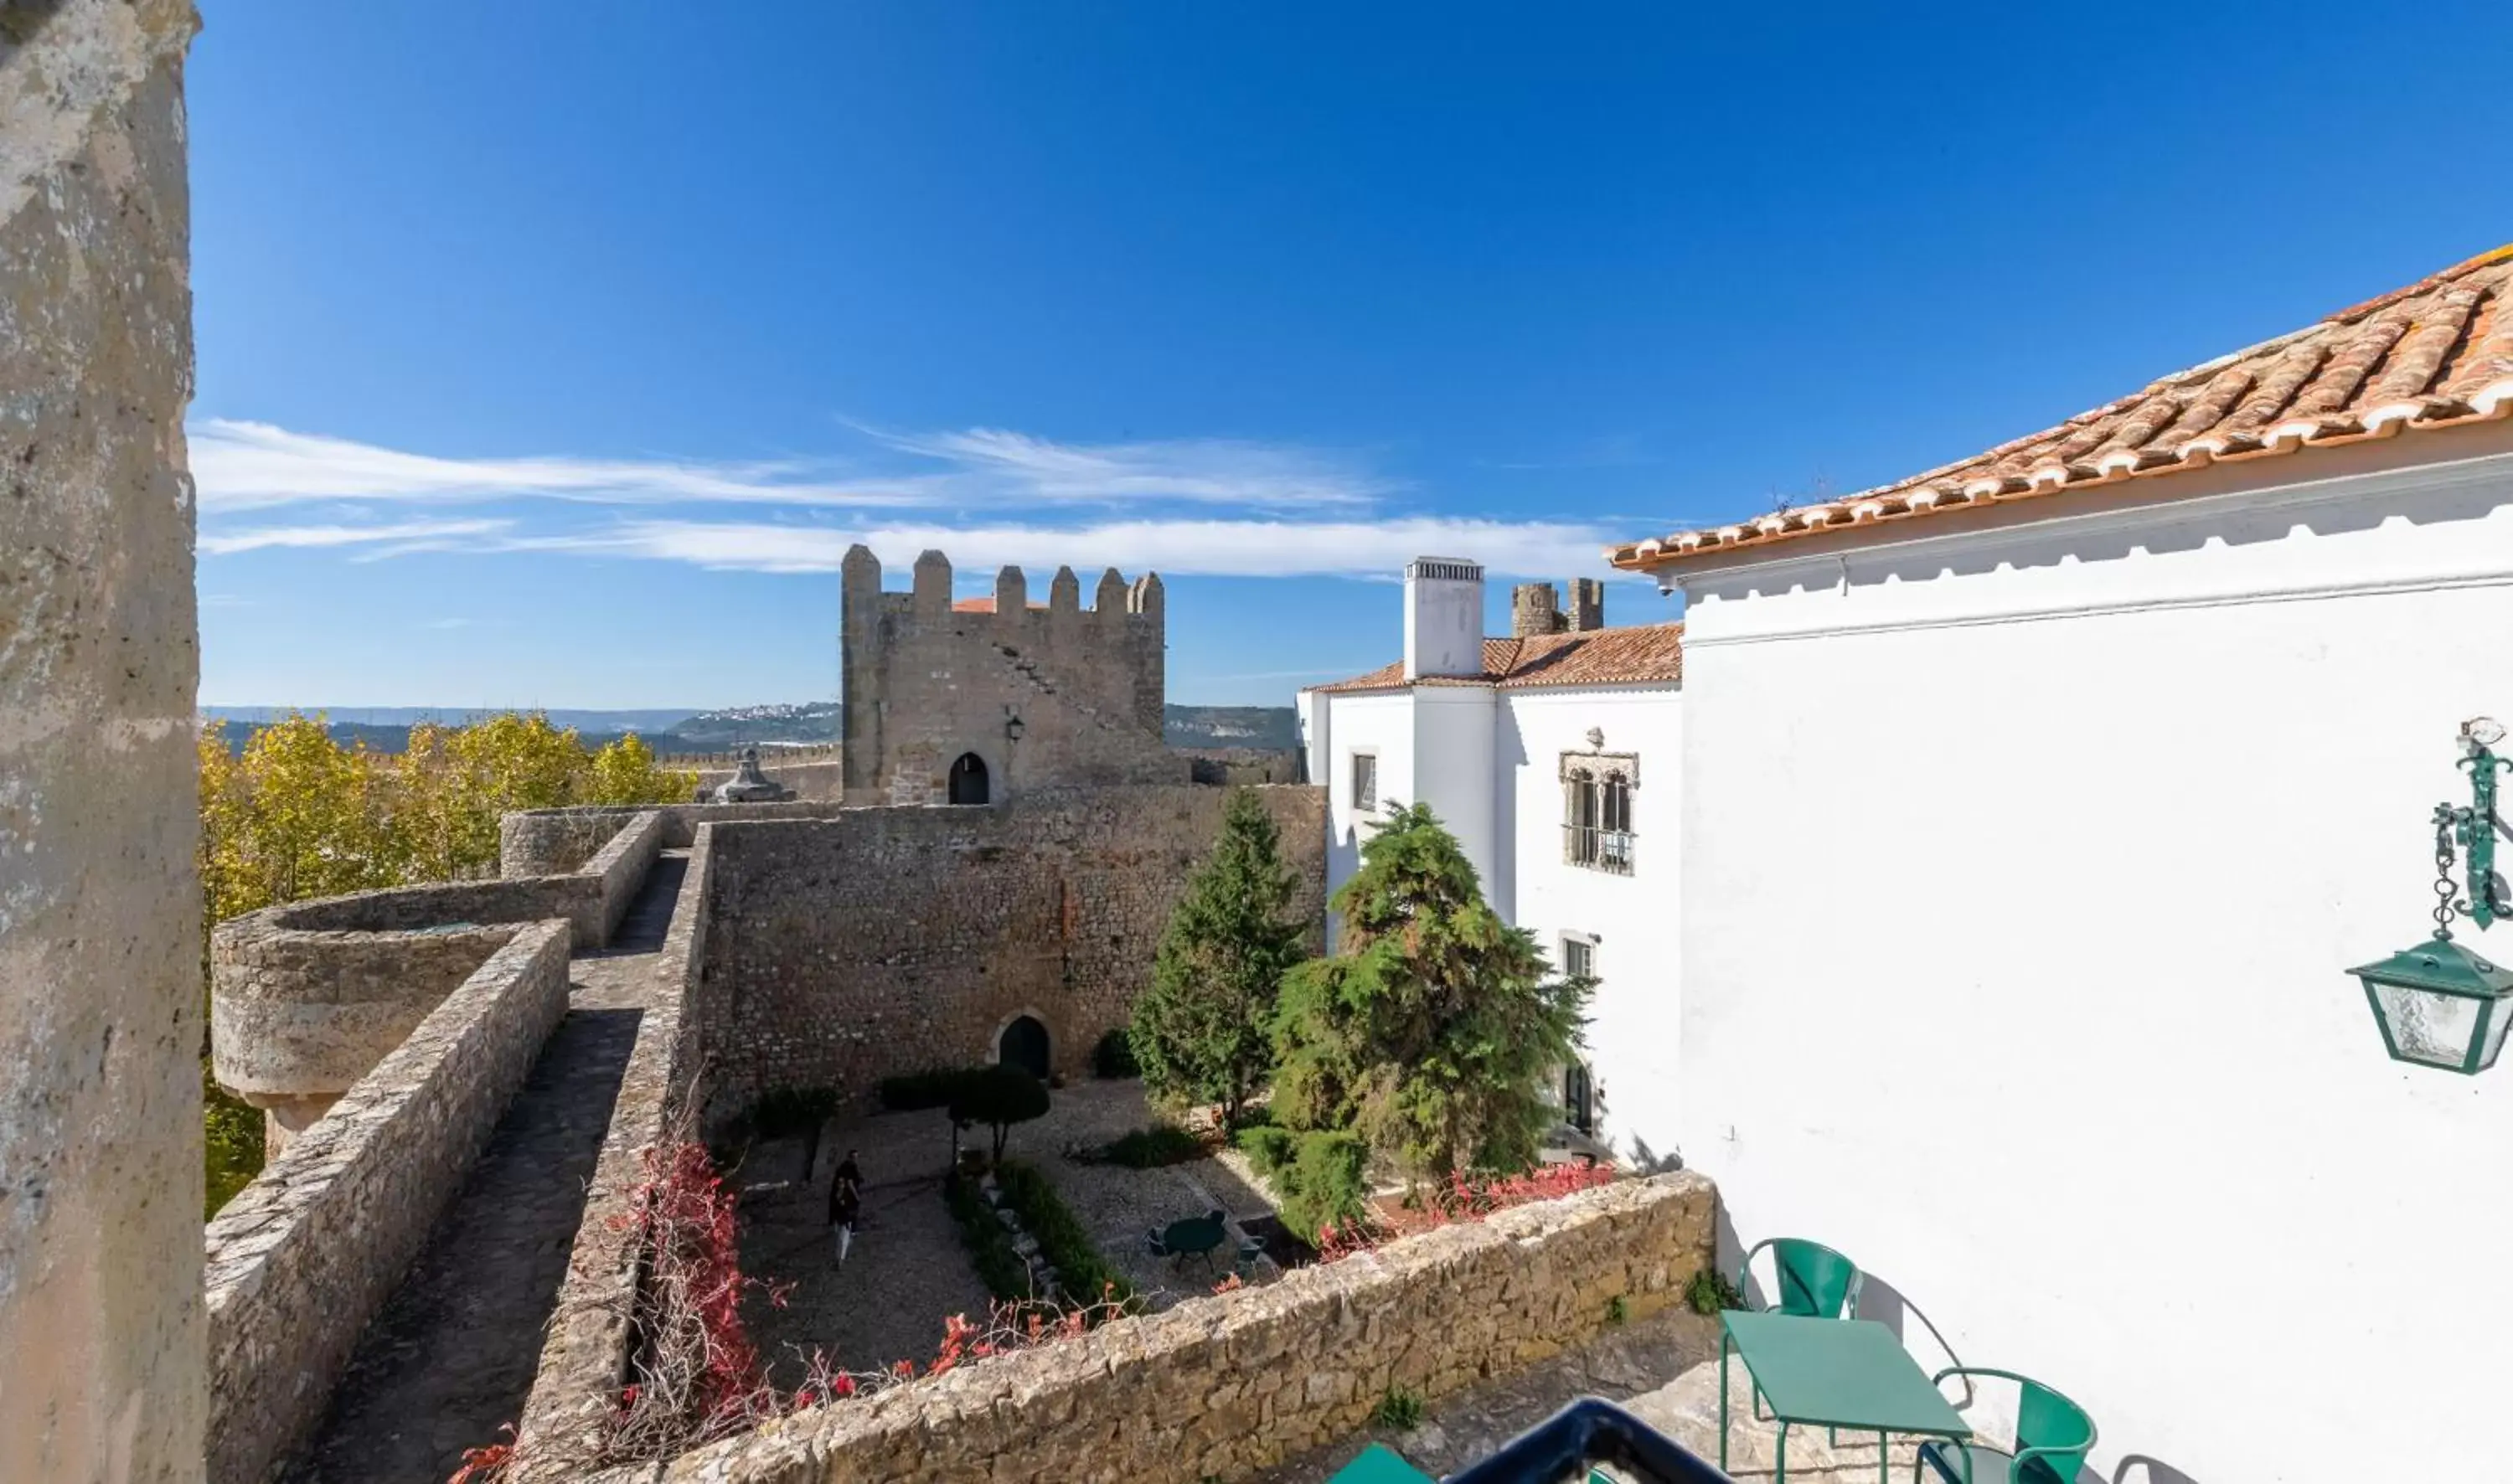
(844, 1203)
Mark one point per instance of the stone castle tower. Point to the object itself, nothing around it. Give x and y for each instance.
(1535, 608)
(967, 701)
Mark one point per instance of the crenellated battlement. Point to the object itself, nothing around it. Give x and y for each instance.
(964, 699)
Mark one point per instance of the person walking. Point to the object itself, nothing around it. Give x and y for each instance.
(849, 1171)
(846, 1204)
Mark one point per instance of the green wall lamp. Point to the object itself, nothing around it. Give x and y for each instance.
(2440, 1004)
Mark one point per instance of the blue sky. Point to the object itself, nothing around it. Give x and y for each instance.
(552, 354)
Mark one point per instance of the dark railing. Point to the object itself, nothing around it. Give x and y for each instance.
(1608, 850)
(1590, 1430)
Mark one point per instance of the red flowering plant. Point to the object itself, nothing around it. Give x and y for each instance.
(1460, 1199)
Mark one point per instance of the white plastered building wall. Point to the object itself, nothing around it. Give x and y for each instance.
(1630, 921)
(2025, 854)
(1488, 761)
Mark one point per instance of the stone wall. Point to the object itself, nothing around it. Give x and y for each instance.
(556, 841)
(1244, 765)
(306, 1254)
(100, 906)
(881, 941)
(585, 1360)
(619, 868)
(925, 680)
(1224, 1386)
(306, 996)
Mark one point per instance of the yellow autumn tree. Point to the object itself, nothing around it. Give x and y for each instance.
(294, 814)
(625, 772)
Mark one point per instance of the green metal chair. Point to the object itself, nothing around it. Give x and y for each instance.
(2052, 1436)
(1814, 1280)
(1379, 1463)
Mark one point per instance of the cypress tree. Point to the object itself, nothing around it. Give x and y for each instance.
(1200, 1032)
(1432, 1030)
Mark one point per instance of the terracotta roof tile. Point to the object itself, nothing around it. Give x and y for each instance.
(1596, 657)
(2433, 354)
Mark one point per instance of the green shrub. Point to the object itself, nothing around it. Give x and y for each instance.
(997, 1097)
(990, 1246)
(1325, 1182)
(1149, 1148)
(1617, 1309)
(1113, 1057)
(1266, 1147)
(233, 1129)
(1709, 1292)
(1085, 1273)
(787, 1111)
(1399, 1409)
(918, 1090)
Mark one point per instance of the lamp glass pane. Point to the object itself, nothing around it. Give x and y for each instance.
(2429, 1028)
(2499, 1015)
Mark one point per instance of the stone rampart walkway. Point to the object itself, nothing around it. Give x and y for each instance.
(451, 1357)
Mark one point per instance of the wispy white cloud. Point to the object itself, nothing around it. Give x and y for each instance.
(402, 535)
(1213, 507)
(1201, 470)
(1230, 548)
(251, 465)
(242, 465)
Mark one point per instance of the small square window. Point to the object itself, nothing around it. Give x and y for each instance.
(1578, 959)
(1365, 782)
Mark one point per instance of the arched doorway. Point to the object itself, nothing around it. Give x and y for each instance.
(1024, 1044)
(969, 779)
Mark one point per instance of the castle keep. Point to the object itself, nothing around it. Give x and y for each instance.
(970, 701)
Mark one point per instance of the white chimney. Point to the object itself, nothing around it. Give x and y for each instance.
(1444, 617)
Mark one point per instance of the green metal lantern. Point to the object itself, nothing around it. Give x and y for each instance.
(2440, 1004)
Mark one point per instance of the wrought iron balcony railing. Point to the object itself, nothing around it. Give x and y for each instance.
(1598, 849)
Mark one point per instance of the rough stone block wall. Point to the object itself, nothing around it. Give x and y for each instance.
(101, 1318)
(881, 941)
(619, 868)
(558, 842)
(1222, 1388)
(297, 1013)
(585, 1358)
(306, 1255)
(1246, 765)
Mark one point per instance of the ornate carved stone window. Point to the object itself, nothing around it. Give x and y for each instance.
(1597, 791)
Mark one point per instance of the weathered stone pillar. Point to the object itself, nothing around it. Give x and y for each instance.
(102, 1334)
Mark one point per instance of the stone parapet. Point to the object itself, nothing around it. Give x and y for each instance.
(306, 996)
(535, 843)
(1222, 1388)
(585, 1360)
(309, 1251)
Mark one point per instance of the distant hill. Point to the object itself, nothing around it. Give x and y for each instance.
(386, 728)
(1274, 727)
(716, 731)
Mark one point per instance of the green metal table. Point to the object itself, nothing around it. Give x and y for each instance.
(1832, 1373)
